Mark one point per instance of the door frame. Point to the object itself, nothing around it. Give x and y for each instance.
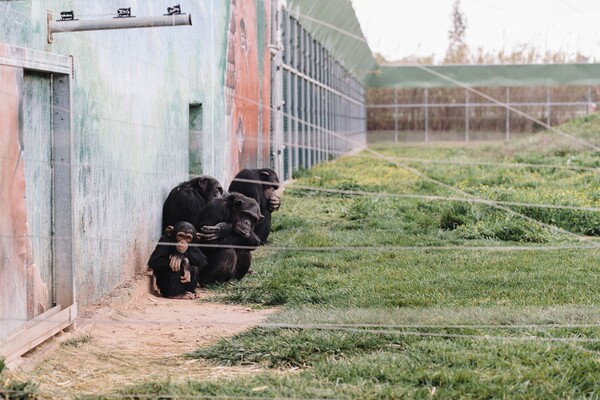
(63, 314)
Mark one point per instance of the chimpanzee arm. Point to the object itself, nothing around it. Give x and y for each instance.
(216, 232)
(160, 258)
(238, 240)
(196, 257)
(213, 222)
(251, 240)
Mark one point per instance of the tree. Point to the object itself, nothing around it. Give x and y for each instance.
(458, 51)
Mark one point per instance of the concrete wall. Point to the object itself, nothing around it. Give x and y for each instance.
(131, 92)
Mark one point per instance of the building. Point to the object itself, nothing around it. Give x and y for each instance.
(96, 126)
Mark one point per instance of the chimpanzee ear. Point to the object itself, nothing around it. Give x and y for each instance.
(237, 204)
(169, 231)
(202, 183)
(264, 176)
(198, 236)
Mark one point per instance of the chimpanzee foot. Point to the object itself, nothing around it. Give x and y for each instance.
(186, 296)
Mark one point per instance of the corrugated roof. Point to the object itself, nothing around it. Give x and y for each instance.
(333, 23)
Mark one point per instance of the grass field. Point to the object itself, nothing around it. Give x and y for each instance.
(384, 295)
(395, 283)
(387, 293)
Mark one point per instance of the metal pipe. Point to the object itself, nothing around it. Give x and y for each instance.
(118, 23)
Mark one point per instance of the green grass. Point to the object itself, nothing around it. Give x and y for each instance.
(78, 341)
(366, 313)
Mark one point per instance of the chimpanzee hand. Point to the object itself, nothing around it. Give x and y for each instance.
(274, 202)
(187, 274)
(175, 262)
(216, 232)
(186, 277)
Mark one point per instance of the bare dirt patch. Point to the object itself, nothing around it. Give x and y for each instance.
(143, 340)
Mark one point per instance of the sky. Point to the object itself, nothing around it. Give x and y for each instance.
(401, 28)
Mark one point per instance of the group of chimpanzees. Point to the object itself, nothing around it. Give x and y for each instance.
(208, 234)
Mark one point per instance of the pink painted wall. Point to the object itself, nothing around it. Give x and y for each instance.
(247, 83)
(14, 243)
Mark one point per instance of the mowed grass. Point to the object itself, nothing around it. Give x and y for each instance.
(387, 296)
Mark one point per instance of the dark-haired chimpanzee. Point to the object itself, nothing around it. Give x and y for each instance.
(176, 264)
(260, 185)
(185, 200)
(228, 221)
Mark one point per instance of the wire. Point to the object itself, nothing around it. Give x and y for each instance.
(121, 321)
(445, 198)
(442, 335)
(387, 248)
(493, 164)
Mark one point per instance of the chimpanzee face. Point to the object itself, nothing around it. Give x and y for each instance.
(209, 188)
(217, 191)
(182, 231)
(184, 236)
(246, 213)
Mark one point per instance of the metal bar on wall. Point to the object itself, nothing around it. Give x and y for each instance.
(297, 97)
(311, 102)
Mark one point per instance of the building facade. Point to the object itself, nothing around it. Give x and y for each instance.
(97, 126)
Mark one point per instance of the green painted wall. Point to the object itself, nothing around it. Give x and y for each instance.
(130, 101)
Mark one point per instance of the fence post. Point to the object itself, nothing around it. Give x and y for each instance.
(548, 105)
(507, 128)
(466, 115)
(396, 115)
(426, 115)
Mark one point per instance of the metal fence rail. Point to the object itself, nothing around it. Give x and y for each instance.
(322, 108)
(450, 113)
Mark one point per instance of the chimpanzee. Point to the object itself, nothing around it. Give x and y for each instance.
(185, 200)
(228, 221)
(260, 185)
(177, 266)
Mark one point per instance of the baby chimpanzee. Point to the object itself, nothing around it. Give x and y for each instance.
(176, 264)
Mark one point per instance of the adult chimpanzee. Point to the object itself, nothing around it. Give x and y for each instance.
(228, 221)
(177, 266)
(260, 185)
(185, 200)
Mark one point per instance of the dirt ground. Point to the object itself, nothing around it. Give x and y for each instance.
(118, 343)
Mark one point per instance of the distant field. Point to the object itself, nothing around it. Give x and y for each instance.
(375, 137)
(394, 280)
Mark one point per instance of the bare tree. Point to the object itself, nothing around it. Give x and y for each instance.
(458, 51)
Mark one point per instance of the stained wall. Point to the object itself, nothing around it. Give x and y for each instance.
(131, 92)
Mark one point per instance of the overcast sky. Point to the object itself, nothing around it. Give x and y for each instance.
(400, 28)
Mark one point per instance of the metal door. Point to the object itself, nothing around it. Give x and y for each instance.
(37, 154)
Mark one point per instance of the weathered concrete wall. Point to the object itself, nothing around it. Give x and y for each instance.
(131, 92)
